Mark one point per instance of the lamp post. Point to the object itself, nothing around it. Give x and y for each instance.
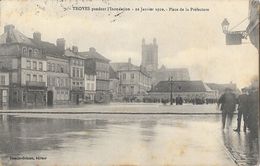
(171, 82)
(225, 25)
(232, 37)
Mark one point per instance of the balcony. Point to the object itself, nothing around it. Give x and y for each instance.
(35, 84)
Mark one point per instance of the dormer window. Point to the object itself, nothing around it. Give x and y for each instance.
(24, 51)
(36, 52)
(30, 52)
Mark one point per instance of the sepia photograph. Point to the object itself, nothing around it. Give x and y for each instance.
(129, 82)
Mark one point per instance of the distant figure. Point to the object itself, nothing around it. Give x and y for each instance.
(179, 100)
(228, 106)
(242, 110)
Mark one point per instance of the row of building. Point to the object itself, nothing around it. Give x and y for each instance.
(36, 73)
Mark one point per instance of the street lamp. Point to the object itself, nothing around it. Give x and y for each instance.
(232, 37)
(225, 25)
(171, 82)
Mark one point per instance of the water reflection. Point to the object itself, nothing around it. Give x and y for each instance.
(122, 139)
(242, 146)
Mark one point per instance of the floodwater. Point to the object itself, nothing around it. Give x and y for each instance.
(90, 139)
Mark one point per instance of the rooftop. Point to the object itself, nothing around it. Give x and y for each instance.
(93, 54)
(180, 86)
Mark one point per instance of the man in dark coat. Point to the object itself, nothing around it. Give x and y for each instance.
(242, 110)
(228, 106)
(253, 108)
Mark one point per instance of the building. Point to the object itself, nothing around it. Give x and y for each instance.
(188, 90)
(220, 88)
(150, 55)
(27, 65)
(133, 80)
(77, 80)
(253, 27)
(113, 84)
(4, 89)
(150, 62)
(58, 83)
(163, 74)
(96, 62)
(90, 85)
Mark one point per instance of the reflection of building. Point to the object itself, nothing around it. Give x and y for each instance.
(186, 89)
(150, 55)
(163, 74)
(57, 70)
(27, 63)
(4, 89)
(98, 63)
(133, 80)
(77, 82)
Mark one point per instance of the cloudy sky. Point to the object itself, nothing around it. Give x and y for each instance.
(185, 39)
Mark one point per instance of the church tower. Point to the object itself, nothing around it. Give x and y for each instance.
(150, 55)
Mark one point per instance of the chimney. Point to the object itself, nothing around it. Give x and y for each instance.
(129, 60)
(92, 49)
(37, 36)
(75, 49)
(8, 28)
(60, 44)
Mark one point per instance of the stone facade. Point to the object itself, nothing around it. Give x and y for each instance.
(133, 80)
(25, 59)
(4, 89)
(96, 62)
(77, 81)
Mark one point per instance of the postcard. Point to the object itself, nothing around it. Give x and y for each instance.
(129, 82)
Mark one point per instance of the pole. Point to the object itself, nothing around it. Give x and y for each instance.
(171, 90)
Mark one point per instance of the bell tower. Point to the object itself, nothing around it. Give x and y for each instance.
(150, 55)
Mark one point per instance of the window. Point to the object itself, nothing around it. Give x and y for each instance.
(40, 78)
(73, 72)
(88, 88)
(77, 74)
(132, 89)
(24, 51)
(49, 66)
(34, 78)
(2, 80)
(124, 76)
(53, 67)
(36, 52)
(30, 52)
(5, 96)
(61, 69)
(81, 73)
(34, 65)
(28, 77)
(40, 66)
(92, 86)
(57, 68)
(28, 64)
(132, 76)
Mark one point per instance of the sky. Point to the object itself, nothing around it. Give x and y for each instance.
(185, 39)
